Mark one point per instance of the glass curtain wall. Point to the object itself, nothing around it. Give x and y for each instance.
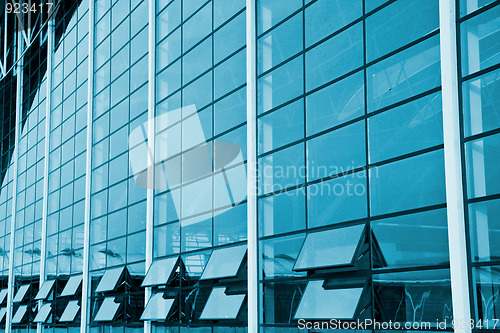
(480, 99)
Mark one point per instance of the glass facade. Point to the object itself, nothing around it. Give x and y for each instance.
(129, 136)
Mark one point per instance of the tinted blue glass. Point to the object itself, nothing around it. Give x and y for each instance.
(416, 239)
(282, 213)
(197, 61)
(280, 86)
(231, 226)
(404, 75)
(335, 104)
(199, 92)
(327, 16)
(168, 50)
(337, 200)
(481, 105)
(229, 38)
(280, 43)
(410, 183)
(197, 27)
(483, 174)
(230, 111)
(223, 10)
(481, 41)
(282, 126)
(282, 169)
(484, 219)
(167, 239)
(279, 255)
(407, 128)
(168, 81)
(468, 6)
(335, 57)
(270, 12)
(196, 233)
(336, 152)
(190, 6)
(230, 74)
(399, 24)
(372, 4)
(168, 19)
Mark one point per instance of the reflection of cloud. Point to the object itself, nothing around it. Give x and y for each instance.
(212, 174)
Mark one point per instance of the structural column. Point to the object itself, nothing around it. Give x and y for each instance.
(151, 146)
(453, 165)
(15, 158)
(253, 276)
(85, 304)
(48, 104)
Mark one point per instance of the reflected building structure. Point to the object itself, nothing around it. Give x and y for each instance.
(231, 166)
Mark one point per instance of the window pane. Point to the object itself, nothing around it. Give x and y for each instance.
(230, 111)
(335, 104)
(282, 213)
(43, 313)
(230, 74)
(168, 19)
(318, 250)
(468, 6)
(406, 74)
(110, 280)
(282, 169)
(336, 152)
(197, 61)
(72, 286)
(399, 24)
(3, 295)
(222, 306)
(413, 240)
(281, 127)
(319, 303)
(229, 38)
(19, 315)
(337, 200)
(107, 310)
(44, 290)
(223, 10)
(481, 103)
(21, 293)
(486, 289)
(224, 263)
(481, 41)
(484, 219)
(335, 57)
(70, 312)
(270, 12)
(280, 44)
(407, 128)
(159, 272)
(280, 86)
(483, 174)
(279, 256)
(157, 308)
(410, 183)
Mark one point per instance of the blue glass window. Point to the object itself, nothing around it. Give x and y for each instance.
(282, 213)
(229, 38)
(484, 220)
(270, 12)
(483, 174)
(230, 74)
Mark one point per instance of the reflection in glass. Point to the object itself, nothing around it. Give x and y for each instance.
(483, 174)
(279, 256)
(222, 306)
(157, 308)
(318, 250)
(282, 212)
(406, 184)
(481, 41)
(3, 295)
(487, 289)
(3, 311)
(481, 105)
(405, 129)
(406, 74)
(484, 225)
(319, 303)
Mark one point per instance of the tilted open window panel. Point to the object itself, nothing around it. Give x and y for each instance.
(108, 310)
(45, 289)
(221, 306)
(158, 308)
(3, 295)
(161, 272)
(72, 286)
(21, 293)
(111, 280)
(43, 313)
(3, 311)
(70, 312)
(20, 314)
(225, 263)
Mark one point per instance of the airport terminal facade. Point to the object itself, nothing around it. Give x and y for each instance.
(230, 166)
